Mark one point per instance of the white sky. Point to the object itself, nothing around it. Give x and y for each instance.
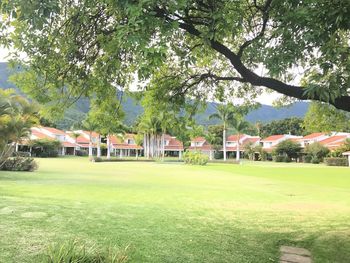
(266, 98)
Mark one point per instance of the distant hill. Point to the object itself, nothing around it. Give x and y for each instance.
(133, 109)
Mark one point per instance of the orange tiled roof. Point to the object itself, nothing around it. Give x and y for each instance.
(198, 139)
(333, 139)
(272, 138)
(313, 135)
(40, 135)
(53, 130)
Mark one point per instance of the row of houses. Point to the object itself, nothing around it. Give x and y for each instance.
(122, 146)
(76, 141)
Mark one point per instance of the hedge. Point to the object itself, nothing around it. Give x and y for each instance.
(336, 161)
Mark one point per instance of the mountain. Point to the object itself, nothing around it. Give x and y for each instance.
(133, 109)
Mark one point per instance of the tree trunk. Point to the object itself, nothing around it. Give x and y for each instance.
(99, 146)
(108, 148)
(238, 150)
(163, 146)
(224, 141)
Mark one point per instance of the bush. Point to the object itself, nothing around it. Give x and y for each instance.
(336, 161)
(96, 159)
(218, 155)
(81, 153)
(195, 157)
(20, 164)
(316, 152)
(287, 148)
(72, 251)
(45, 148)
(307, 159)
(315, 160)
(278, 158)
(21, 154)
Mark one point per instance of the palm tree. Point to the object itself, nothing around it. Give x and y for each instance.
(89, 126)
(224, 113)
(165, 122)
(239, 125)
(17, 116)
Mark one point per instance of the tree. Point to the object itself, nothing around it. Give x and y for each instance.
(107, 116)
(325, 118)
(224, 113)
(239, 125)
(17, 116)
(288, 150)
(315, 152)
(190, 47)
(90, 126)
(285, 126)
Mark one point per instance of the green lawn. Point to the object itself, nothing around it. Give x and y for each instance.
(177, 213)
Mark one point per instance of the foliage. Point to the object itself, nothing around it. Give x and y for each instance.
(215, 138)
(195, 157)
(20, 164)
(315, 152)
(191, 48)
(286, 126)
(74, 251)
(45, 147)
(336, 161)
(17, 116)
(262, 153)
(249, 150)
(325, 118)
(287, 149)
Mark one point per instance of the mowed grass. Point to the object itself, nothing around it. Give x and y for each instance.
(176, 213)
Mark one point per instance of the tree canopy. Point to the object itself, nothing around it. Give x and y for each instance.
(325, 118)
(196, 48)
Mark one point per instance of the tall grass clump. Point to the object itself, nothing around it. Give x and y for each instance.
(73, 251)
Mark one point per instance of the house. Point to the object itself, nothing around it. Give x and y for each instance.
(68, 147)
(348, 155)
(243, 139)
(312, 138)
(335, 141)
(271, 142)
(201, 144)
(172, 146)
(84, 139)
(125, 145)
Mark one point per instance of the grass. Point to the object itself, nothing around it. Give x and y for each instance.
(170, 212)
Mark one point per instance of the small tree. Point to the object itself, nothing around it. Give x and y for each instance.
(287, 150)
(315, 152)
(249, 150)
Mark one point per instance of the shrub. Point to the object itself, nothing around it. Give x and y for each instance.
(315, 160)
(96, 159)
(307, 159)
(336, 161)
(45, 148)
(81, 153)
(20, 164)
(316, 152)
(287, 148)
(195, 157)
(73, 251)
(21, 154)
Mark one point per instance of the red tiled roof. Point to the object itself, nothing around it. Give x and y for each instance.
(313, 135)
(233, 138)
(82, 139)
(333, 139)
(174, 144)
(40, 135)
(198, 139)
(53, 130)
(251, 139)
(272, 138)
